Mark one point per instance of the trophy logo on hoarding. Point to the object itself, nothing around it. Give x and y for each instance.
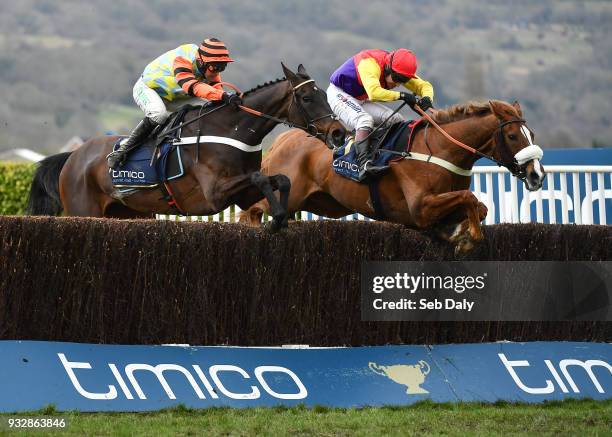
(412, 376)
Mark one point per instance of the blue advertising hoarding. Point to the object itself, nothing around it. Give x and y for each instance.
(88, 377)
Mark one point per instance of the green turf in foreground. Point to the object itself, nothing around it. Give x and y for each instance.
(584, 417)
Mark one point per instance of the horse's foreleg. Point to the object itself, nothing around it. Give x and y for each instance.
(278, 211)
(434, 208)
(482, 211)
(282, 183)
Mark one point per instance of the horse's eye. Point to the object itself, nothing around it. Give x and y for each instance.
(512, 137)
(307, 99)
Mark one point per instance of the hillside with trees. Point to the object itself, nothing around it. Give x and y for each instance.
(67, 68)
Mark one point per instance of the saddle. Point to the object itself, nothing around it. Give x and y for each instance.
(388, 146)
(155, 161)
(148, 166)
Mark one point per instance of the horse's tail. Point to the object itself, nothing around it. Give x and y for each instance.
(44, 196)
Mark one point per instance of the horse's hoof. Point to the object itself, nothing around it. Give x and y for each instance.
(463, 247)
(459, 233)
(476, 233)
(274, 226)
(478, 236)
(281, 221)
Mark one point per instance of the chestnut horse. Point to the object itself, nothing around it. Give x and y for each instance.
(216, 176)
(423, 195)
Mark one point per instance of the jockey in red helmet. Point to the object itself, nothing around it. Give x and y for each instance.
(367, 78)
(189, 74)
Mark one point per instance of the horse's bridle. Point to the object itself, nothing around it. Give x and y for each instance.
(310, 122)
(508, 160)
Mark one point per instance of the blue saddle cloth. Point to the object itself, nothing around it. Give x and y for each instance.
(397, 138)
(137, 171)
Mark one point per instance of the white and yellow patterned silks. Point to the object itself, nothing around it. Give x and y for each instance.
(161, 75)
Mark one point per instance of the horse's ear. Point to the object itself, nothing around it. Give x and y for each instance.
(496, 109)
(302, 70)
(290, 75)
(517, 106)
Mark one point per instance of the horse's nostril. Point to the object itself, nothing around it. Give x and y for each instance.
(534, 177)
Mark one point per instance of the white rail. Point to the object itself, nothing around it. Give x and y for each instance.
(580, 194)
(230, 215)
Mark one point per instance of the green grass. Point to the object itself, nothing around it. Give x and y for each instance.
(584, 417)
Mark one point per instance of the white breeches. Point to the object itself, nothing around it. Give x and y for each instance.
(156, 108)
(355, 114)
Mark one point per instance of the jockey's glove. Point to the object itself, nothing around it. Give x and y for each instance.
(232, 99)
(425, 103)
(409, 98)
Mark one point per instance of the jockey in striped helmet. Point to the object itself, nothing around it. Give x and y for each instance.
(367, 78)
(189, 74)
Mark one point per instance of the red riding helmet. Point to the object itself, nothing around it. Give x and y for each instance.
(403, 62)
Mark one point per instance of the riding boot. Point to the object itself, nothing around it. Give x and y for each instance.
(362, 145)
(140, 132)
(364, 155)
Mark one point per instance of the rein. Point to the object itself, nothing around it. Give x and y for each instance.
(464, 146)
(384, 122)
(183, 124)
(453, 140)
(310, 122)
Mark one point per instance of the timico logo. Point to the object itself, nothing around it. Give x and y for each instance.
(214, 373)
(563, 366)
(133, 174)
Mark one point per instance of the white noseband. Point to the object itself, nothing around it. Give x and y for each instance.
(528, 153)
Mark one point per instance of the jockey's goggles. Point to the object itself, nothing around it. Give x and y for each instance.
(399, 78)
(217, 66)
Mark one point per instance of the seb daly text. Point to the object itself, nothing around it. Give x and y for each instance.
(406, 292)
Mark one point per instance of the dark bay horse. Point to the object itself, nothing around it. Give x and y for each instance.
(220, 175)
(423, 195)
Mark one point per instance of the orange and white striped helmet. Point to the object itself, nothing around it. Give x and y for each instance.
(213, 50)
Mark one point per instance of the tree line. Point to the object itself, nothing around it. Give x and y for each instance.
(67, 68)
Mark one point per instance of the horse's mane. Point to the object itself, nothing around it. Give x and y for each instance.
(272, 82)
(264, 85)
(461, 112)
